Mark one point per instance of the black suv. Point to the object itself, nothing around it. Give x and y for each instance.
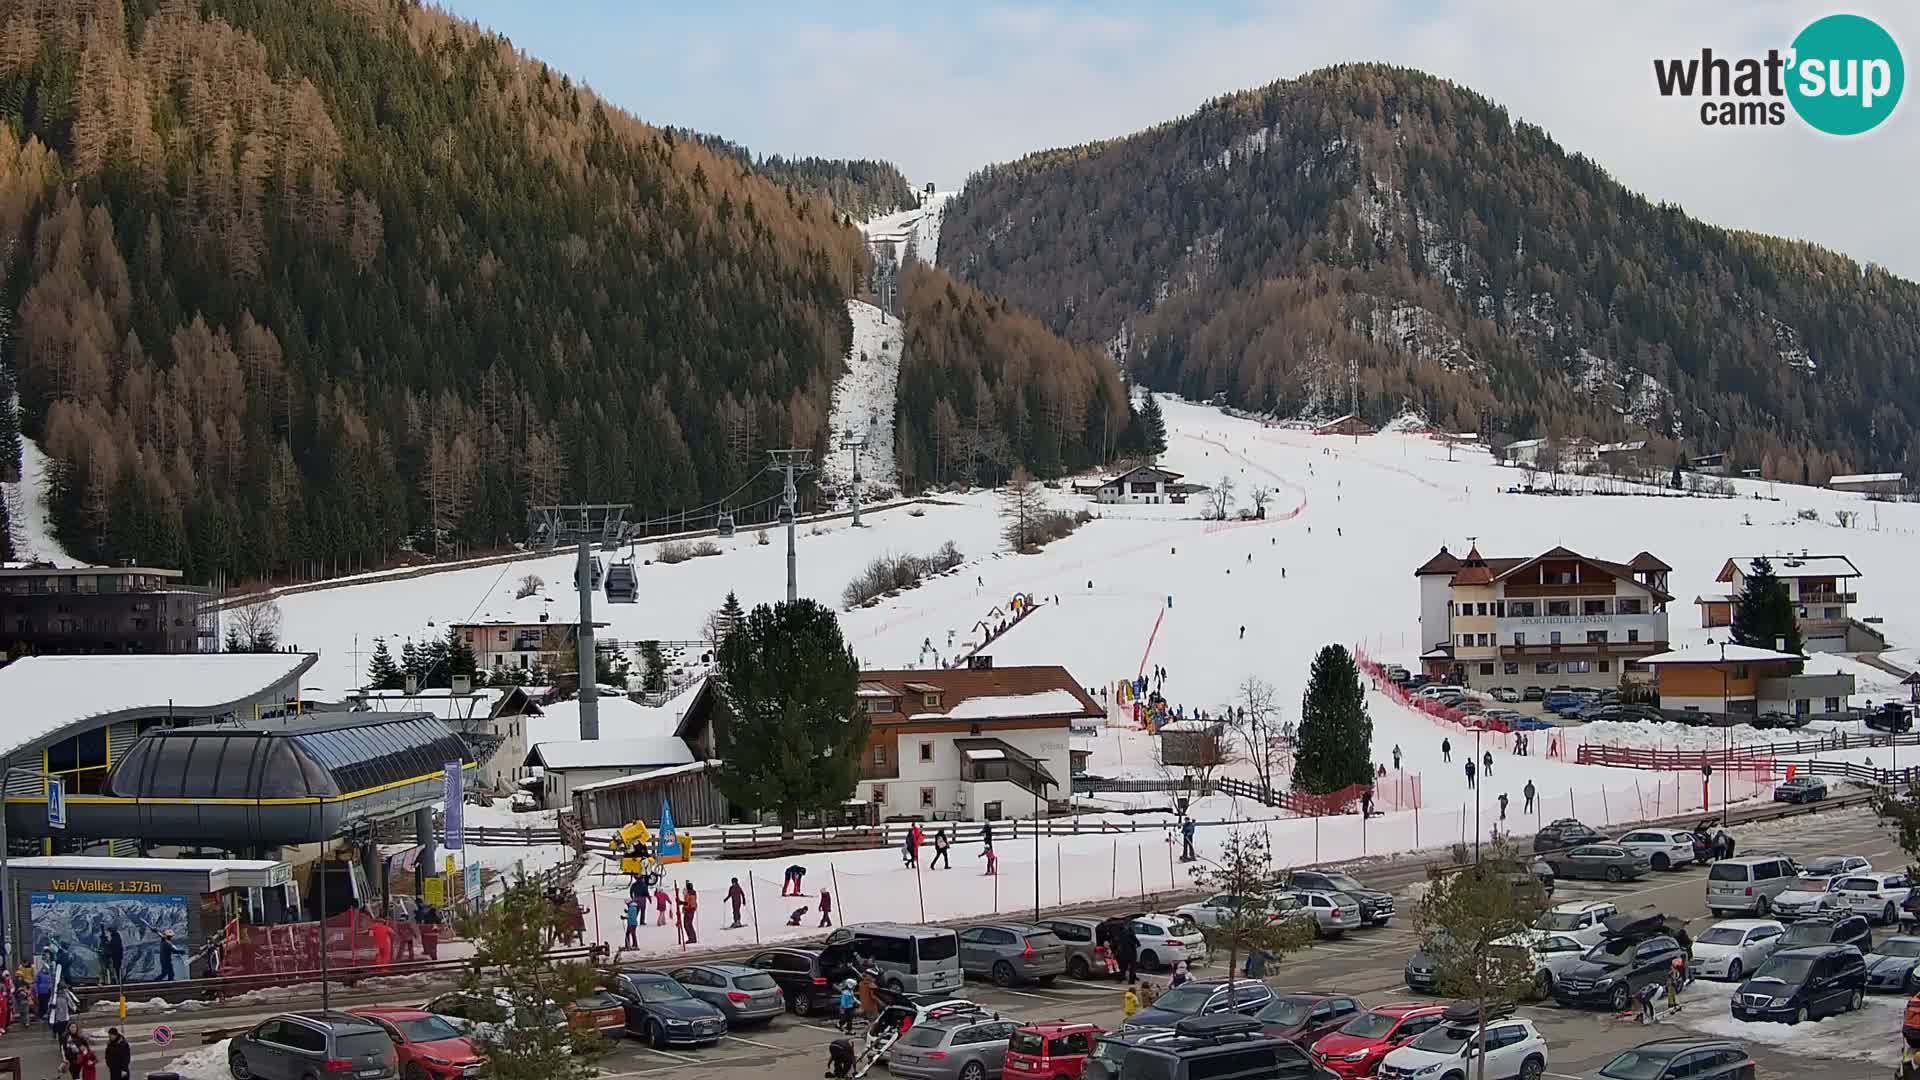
(1671, 1059)
(1376, 907)
(807, 983)
(1803, 984)
(1565, 833)
(1890, 716)
(1831, 928)
(1221, 1047)
(1613, 972)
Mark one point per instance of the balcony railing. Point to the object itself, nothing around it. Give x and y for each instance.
(1827, 596)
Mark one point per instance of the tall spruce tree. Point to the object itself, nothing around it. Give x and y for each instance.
(792, 738)
(653, 679)
(413, 664)
(460, 658)
(1153, 427)
(731, 614)
(1763, 616)
(382, 672)
(1336, 734)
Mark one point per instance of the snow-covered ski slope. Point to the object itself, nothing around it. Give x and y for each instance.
(916, 230)
(863, 399)
(33, 539)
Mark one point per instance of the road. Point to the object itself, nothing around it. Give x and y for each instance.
(1367, 965)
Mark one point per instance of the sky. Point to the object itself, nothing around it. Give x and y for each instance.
(943, 89)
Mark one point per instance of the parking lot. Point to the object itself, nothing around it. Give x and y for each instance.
(1368, 964)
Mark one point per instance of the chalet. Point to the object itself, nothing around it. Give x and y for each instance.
(504, 644)
(1891, 484)
(1740, 680)
(1554, 619)
(1344, 425)
(1140, 484)
(1621, 455)
(570, 764)
(1823, 595)
(977, 743)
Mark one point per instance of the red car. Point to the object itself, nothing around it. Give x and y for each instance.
(1054, 1051)
(1356, 1048)
(429, 1047)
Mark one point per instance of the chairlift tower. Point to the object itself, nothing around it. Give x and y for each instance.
(855, 441)
(791, 463)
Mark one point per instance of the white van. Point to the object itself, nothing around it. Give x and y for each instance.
(916, 959)
(1749, 883)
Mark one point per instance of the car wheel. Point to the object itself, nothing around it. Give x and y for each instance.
(1077, 968)
(1003, 973)
(1799, 1015)
(1661, 862)
(800, 1004)
(237, 1065)
(1620, 998)
(1149, 960)
(1888, 915)
(414, 1071)
(656, 1035)
(973, 1071)
(1532, 1069)
(1761, 906)
(1733, 971)
(1615, 875)
(1543, 985)
(1855, 1000)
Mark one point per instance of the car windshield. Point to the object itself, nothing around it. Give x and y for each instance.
(426, 1029)
(655, 991)
(1788, 969)
(1906, 948)
(1562, 921)
(1281, 1011)
(1727, 872)
(1721, 935)
(1610, 953)
(1445, 1039)
(1371, 1025)
(1184, 1000)
(1637, 1065)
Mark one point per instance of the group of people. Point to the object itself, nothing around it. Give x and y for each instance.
(916, 839)
(39, 990)
(686, 906)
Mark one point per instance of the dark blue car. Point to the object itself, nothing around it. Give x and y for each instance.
(1201, 997)
(662, 1012)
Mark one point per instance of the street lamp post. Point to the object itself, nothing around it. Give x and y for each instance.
(1478, 783)
(1726, 729)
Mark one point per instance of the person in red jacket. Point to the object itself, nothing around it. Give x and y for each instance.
(382, 943)
(826, 908)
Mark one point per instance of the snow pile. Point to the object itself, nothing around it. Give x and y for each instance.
(863, 402)
(33, 539)
(1855, 1036)
(202, 1063)
(1044, 703)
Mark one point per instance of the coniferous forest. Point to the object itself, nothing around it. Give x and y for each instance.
(294, 282)
(1383, 222)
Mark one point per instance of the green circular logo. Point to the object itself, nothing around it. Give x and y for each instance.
(1847, 75)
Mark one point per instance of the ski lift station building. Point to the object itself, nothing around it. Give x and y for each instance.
(206, 749)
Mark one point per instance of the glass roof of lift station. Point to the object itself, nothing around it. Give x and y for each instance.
(299, 758)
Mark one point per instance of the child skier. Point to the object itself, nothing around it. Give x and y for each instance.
(1130, 1001)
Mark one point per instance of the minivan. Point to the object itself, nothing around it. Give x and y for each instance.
(1803, 984)
(916, 959)
(293, 1046)
(1219, 1048)
(1748, 884)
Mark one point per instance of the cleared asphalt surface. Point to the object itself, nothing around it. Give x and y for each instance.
(1367, 964)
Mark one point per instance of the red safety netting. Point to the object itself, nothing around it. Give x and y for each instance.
(295, 947)
(1464, 721)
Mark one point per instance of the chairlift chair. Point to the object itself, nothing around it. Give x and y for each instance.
(786, 515)
(724, 523)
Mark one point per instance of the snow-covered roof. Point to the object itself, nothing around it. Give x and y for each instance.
(46, 694)
(1794, 566)
(985, 754)
(1525, 444)
(650, 774)
(1621, 447)
(621, 717)
(611, 753)
(446, 705)
(1044, 703)
(1706, 653)
(1865, 478)
(159, 866)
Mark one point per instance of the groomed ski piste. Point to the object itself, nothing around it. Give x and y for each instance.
(1144, 586)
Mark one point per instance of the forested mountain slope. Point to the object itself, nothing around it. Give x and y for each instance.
(295, 281)
(1380, 219)
(861, 187)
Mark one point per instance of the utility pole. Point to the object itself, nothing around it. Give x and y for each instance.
(589, 678)
(791, 462)
(855, 442)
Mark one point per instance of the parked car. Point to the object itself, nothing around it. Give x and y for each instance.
(664, 1013)
(298, 1045)
(1334, 913)
(911, 959)
(1534, 693)
(1890, 716)
(1279, 907)
(1223, 1047)
(1803, 984)
(1800, 789)
(1612, 972)
(1505, 693)
(1167, 939)
(1056, 1050)
(487, 1014)
(960, 1048)
(1599, 862)
(1422, 972)
(1838, 928)
(1110, 1050)
(1202, 997)
(1664, 848)
(1376, 906)
(1356, 1048)
(1011, 953)
(1583, 920)
(1833, 866)
(1748, 883)
(1551, 955)
(1891, 966)
(1513, 1048)
(428, 1047)
(908, 1011)
(1681, 1059)
(1730, 949)
(745, 995)
(1877, 896)
(1305, 1017)
(1087, 955)
(1807, 896)
(1565, 833)
(804, 980)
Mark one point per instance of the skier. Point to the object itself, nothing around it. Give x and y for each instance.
(1486, 763)
(1469, 768)
(1249, 558)
(1446, 751)
(1503, 806)
(792, 880)
(1528, 793)
(633, 924)
(826, 908)
(1366, 803)
(1396, 757)
(1186, 841)
(736, 896)
(940, 854)
(1243, 632)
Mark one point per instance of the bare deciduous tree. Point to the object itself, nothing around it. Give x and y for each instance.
(1254, 721)
(1220, 499)
(529, 585)
(1260, 497)
(1022, 503)
(1193, 752)
(254, 627)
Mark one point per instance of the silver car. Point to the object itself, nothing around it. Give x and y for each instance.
(1551, 955)
(745, 995)
(1807, 896)
(1086, 957)
(294, 1046)
(1009, 953)
(962, 1049)
(1334, 913)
